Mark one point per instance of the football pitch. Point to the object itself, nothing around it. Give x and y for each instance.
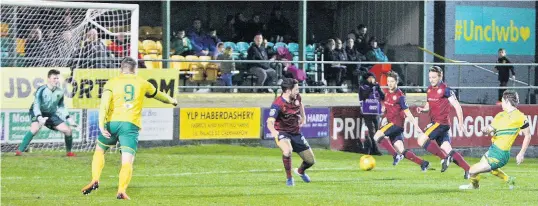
(244, 175)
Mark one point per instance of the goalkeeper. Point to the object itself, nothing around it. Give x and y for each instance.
(48, 109)
(119, 120)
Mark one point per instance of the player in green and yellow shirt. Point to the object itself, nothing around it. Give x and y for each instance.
(119, 120)
(505, 128)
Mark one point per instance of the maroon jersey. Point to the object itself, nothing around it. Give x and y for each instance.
(439, 104)
(286, 114)
(395, 104)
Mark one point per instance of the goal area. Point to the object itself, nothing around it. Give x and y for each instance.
(67, 36)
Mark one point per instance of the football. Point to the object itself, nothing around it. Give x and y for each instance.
(367, 163)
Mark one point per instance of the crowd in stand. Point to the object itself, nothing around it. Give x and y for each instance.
(356, 47)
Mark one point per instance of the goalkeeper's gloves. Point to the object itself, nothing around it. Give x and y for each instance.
(72, 122)
(41, 120)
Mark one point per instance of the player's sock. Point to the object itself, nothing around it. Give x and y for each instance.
(460, 161)
(499, 173)
(434, 148)
(26, 141)
(125, 176)
(97, 165)
(475, 179)
(68, 143)
(410, 155)
(303, 167)
(287, 165)
(385, 143)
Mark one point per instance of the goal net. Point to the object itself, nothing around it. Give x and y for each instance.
(43, 35)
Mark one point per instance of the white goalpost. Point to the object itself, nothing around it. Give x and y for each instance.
(69, 35)
(55, 30)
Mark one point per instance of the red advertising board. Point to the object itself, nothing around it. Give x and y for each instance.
(344, 128)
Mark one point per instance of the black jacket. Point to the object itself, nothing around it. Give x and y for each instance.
(257, 53)
(504, 71)
(354, 55)
(341, 55)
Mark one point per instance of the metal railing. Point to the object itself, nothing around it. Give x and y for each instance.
(531, 64)
(528, 85)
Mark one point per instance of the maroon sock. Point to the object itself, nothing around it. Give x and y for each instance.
(287, 165)
(460, 161)
(434, 148)
(303, 167)
(385, 143)
(410, 155)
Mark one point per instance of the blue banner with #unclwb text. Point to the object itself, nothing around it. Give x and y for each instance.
(480, 30)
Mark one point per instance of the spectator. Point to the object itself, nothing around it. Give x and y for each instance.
(265, 74)
(362, 39)
(34, 48)
(352, 53)
(351, 35)
(255, 26)
(281, 54)
(278, 26)
(240, 26)
(120, 46)
(355, 56)
(227, 31)
(226, 68)
(375, 54)
(211, 41)
(291, 71)
(504, 71)
(181, 44)
(335, 72)
(197, 37)
(340, 51)
(220, 50)
(94, 52)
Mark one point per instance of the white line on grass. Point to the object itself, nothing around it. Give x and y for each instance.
(188, 173)
(238, 172)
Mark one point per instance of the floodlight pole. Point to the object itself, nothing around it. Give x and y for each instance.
(166, 32)
(302, 34)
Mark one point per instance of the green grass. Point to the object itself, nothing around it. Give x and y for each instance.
(236, 175)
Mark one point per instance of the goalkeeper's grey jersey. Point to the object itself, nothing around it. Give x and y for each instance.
(48, 102)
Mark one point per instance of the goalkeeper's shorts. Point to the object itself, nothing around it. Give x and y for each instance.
(124, 132)
(52, 121)
(496, 157)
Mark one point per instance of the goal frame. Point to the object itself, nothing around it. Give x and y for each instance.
(134, 8)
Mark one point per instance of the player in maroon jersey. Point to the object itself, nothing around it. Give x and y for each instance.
(440, 97)
(285, 119)
(393, 124)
